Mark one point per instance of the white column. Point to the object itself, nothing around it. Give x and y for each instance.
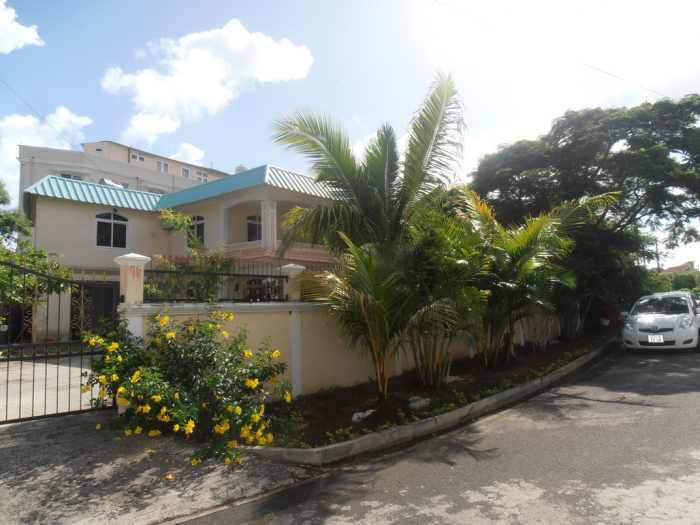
(131, 287)
(297, 362)
(268, 216)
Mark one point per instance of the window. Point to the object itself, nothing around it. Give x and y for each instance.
(254, 228)
(140, 158)
(162, 166)
(71, 176)
(98, 149)
(669, 305)
(111, 230)
(186, 172)
(202, 177)
(134, 156)
(196, 236)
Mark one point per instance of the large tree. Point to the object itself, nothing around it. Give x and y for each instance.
(648, 153)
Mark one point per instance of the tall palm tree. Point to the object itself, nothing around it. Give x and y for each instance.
(376, 196)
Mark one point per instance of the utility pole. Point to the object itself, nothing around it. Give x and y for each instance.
(658, 262)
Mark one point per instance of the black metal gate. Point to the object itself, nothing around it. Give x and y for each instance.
(42, 356)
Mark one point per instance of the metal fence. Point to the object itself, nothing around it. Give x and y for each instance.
(191, 286)
(42, 356)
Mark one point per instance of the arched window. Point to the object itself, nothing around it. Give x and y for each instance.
(111, 230)
(254, 227)
(196, 236)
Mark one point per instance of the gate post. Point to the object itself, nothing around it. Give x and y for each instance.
(292, 285)
(131, 288)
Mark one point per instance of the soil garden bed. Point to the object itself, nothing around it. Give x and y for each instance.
(326, 417)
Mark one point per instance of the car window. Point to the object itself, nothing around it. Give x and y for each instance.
(661, 305)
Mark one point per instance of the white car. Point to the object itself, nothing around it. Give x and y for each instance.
(667, 320)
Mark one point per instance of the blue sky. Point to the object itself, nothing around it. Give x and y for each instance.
(214, 75)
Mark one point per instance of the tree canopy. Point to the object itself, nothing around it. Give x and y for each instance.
(648, 153)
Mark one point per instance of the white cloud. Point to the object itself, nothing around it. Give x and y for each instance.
(61, 129)
(188, 153)
(14, 35)
(199, 74)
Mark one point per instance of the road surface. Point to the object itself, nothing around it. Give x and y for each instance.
(619, 444)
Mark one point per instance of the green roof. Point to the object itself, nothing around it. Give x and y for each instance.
(264, 175)
(92, 193)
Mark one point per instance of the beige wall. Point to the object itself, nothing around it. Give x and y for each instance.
(70, 230)
(237, 220)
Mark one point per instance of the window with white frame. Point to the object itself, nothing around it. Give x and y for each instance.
(162, 166)
(111, 230)
(186, 172)
(254, 227)
(202, 177)
(196, 236)
(71, 176)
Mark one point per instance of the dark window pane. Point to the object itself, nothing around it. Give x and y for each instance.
(104, 234)
(119, 235)
(120, 218)
(107, 216)
(200, 232)
(254, 231)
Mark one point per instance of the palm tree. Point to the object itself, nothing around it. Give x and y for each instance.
(522, 262)
(375, 197)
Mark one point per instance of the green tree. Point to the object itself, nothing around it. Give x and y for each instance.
(375, 197)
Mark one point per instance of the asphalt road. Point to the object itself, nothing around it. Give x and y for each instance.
(618, 444)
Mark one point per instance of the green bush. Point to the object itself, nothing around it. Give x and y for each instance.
(193, 379)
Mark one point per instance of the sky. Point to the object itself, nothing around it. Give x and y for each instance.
(204, 81)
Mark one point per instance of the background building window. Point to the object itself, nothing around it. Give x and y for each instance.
(196, 236)
(186, 173)
(71, 176)
(111, 230)
(162, 166)
(202, 177)
(254, 228)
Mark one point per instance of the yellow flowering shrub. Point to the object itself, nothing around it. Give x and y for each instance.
(192, 379)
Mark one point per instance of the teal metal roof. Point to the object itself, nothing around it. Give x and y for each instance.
(264, 175)
(92, 193)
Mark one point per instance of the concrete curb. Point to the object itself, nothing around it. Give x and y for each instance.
(321, 456)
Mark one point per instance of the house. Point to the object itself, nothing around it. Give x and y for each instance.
(91, 206)
(685, 267)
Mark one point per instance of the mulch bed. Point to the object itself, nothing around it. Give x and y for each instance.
(326, 417)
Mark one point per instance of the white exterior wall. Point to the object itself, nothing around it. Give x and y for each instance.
(37, 163)
(69, 229)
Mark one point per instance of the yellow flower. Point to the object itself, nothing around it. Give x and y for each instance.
(122, 402)
(245, 431)
(238, 410)
(239, 461)
(261, 410)
(119, 359)
(247, 354)
(227, 460)
(98, 426)
(177, 396)
(288, 396)
(252, 383)
(157, 398)
(189, 427)
(261, 441)
(138, 430)
(225, 335)
(127, 431)
(229, 409)
(168, 477)
(170, 335)
(163, 409)
(165, 418)
(275, 354)
(143, 408)
(85, 388)
(163, 320)
(108, 359)
(190, 328)
(102, 392)
(222, 427)
(176, 427)
(115, 377)
(269, 438)
(136, 377)
(231, 443)
(153, 433)
(224, 316)
(121, 389)
(113, 347)
(195, 461)
(102, 379)
(254, 418)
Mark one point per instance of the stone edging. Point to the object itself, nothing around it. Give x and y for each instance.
(328, 454)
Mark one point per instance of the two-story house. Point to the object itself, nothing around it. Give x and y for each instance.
(90, 206)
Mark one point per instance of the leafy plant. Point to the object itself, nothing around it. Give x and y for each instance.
(193, 379)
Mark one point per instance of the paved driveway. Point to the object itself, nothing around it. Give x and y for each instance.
(620, 444)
